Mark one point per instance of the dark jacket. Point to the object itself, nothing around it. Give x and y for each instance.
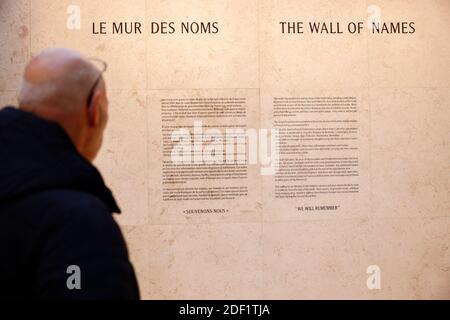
(56, 212)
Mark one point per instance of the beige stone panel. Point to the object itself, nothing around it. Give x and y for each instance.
(14, 42)
(124, 53)
(227, 59)
(324, 259)
(329, 259)
(312, 60)
(351, 205)
(411, 157)
(8, 98)
(136, 239)
(217, 261)
(123, 158)
(241, 209)
(421, 59)
(414, 257)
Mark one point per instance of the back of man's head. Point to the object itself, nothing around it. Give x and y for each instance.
(62, 86)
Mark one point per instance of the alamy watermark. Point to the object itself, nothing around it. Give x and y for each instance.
(73, 281)
(374, 279)
(234, 146)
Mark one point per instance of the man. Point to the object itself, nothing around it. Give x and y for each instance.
(58, 239)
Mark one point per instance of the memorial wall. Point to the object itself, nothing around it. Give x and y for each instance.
(266, 149)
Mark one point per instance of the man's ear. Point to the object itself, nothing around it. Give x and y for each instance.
(94, 110)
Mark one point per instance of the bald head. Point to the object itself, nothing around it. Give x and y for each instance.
(60, 85)
(58, 78)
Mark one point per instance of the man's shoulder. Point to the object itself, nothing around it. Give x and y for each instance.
(58, 205)
(61, 218)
